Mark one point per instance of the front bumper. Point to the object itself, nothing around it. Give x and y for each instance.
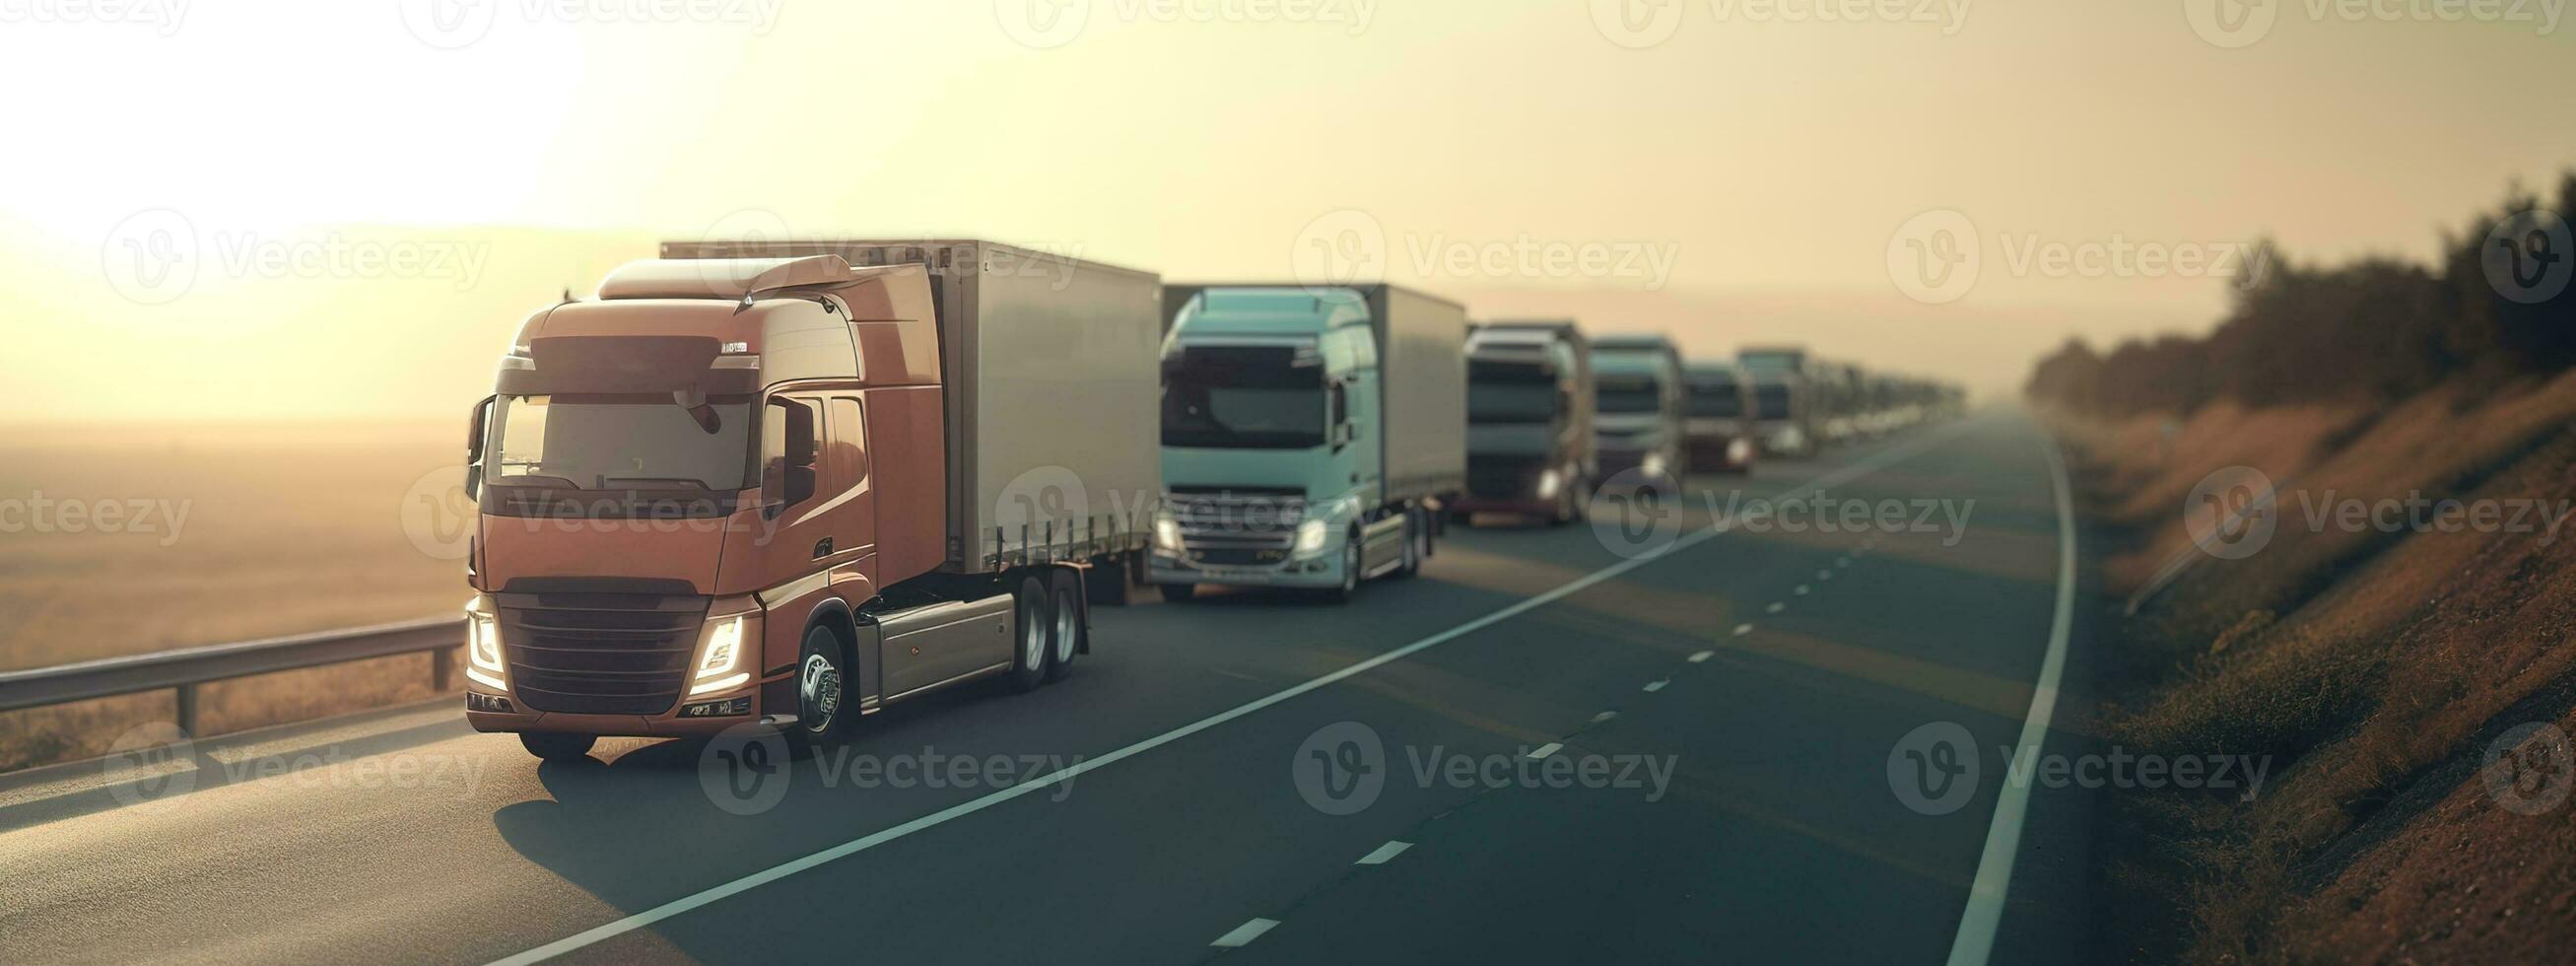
(1322, 571)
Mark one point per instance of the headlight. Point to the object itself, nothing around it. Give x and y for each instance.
(1653, 465)
(1548, 482)
(1739, 451)
(483, 663)
(722, 653)
(1311, 535)
(1167, 535)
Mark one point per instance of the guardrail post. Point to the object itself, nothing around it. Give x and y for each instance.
(187, 710)
(442, 669)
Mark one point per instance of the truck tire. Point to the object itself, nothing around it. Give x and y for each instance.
(554, 746)
(1031, 650)
(1177, 593)
(823, 705)
(1351, 561)
(1417, 543)
(1069, 635)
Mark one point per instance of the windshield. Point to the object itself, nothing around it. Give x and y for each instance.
(1629, 394)
(1510, 392)
(1247, 397)
(1771, 401)
(1718, 398)
(622, 442)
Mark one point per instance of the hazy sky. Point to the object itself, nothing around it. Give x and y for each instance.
(334, 209)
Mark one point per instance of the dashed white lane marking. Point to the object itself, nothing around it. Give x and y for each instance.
(1842, 561)
(717, 893)
(1244, 933)
(1824, 575)
(1604, 716)
(1384, 852)
(1743, 629)
(1775, 608)
(1545, 750)
(1658, 685)
(1702, 656)
(1800, 590)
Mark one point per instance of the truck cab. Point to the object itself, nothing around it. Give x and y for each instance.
(1786, 421)
(1720, 428)
(1291, 457)
(1638, 407)
(1530, 450)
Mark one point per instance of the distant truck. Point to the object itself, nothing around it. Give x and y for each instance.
(796, 482)
(1638, 406)
(1310, 435)
(1721, 423)
(1786, 417)
(1529, 422)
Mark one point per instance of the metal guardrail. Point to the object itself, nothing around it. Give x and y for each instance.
(187, 669)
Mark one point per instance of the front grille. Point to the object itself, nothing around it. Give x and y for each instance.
(1237, 527)
(1500, 476)
(593, 653)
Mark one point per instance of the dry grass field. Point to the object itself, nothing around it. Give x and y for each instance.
(2378, 669)
(252, 531)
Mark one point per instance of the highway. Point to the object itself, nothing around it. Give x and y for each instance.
(1541, 750)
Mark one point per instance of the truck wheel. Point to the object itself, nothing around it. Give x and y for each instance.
(1030, 657)
(1177, 593)
(1417, 543)
(822, 688)
(552, 746)
(1069, 635)
(1350, 572)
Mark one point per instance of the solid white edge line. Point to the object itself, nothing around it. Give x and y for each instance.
(629, 923)
(1975, 941)
(1245, 933)
(1384, 852)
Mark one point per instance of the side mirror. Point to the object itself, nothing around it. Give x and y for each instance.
(1337, 415)
(788, 477)
(475, 429)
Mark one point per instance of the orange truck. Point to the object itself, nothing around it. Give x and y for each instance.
(796, 481)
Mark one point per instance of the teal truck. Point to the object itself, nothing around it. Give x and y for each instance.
(1311, 435)
(1639, 411)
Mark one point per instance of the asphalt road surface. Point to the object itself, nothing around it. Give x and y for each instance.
(1580, 744)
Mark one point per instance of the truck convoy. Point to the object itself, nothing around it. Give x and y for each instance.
(796, 482)
(1803, 403)
(1637, 381)
(1310, 434)
(1529, 422)
(1720, 428)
